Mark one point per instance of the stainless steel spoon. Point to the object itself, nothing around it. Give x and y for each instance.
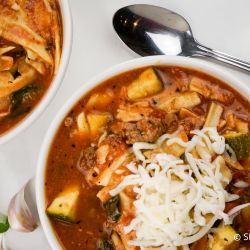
(150, 30)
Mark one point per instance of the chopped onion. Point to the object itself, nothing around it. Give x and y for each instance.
(21, 210)
(235, 211)
(241, 184)
(232, 197)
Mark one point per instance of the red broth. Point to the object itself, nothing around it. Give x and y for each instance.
(63, 161)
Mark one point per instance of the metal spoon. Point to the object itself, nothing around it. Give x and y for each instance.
(150, 30)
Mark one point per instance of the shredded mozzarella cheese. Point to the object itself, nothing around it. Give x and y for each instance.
(177, 202)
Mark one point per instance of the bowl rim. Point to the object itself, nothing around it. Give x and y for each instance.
(196, 64)
(56, 81)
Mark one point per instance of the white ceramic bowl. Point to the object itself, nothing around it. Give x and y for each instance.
(66, 51)
(196, 64)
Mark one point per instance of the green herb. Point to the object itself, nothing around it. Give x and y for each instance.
(112, 208)
(4, 224)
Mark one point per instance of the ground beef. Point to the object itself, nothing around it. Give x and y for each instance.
(115, 141)
(86, 163)
(145, 130)
(87, 159)
(117, 147)
(190, 124)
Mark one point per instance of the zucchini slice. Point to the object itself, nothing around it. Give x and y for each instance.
(100, 100)
(64, 205)
(97, 121)
(240, 143)
(224, 238)
(145, 85)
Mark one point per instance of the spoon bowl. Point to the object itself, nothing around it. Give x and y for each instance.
(150, 30)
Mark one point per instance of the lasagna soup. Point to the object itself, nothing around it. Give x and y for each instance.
(154, 158)
(30, 50)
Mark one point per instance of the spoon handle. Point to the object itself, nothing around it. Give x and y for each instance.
(204, 51)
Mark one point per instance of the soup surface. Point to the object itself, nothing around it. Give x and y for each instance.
(30, 50)
(153, 158)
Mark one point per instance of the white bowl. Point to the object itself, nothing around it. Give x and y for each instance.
(196, 64)
(66, 51)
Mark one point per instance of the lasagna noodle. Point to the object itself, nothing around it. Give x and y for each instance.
(19, 33)
(28, 74)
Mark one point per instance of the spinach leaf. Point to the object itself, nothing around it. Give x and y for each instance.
(22, 100)
(106, 245)
(20, 112)
(112, 208)
(18, 96)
